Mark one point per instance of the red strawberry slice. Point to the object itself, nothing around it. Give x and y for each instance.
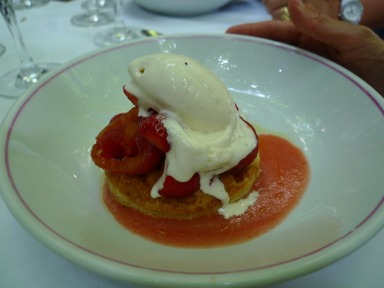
(176, 189)
(152, 129)
(247, 160)
(120, 148)
(117, 116)
(131, 97)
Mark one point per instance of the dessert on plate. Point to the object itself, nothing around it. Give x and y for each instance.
(183, 150)
(183, 168)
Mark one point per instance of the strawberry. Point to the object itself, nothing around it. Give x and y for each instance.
(110, 149)
(176, 189)
(152, 129)
(119, 148)
(247, 160)
(131, 97)
(117, 116)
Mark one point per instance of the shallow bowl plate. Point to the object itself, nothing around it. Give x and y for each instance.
(53, 189)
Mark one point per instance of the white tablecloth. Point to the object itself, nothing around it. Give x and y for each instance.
(50, 37)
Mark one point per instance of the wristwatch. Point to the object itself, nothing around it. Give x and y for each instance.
(351, 11)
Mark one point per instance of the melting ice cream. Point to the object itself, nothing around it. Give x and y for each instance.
(205, 131)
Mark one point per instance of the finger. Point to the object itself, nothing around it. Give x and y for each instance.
(276, 14)
(274, 5)
(274, 30)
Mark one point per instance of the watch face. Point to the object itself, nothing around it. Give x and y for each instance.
(352, 12)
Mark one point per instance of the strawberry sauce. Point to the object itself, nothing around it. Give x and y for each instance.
(282, 182)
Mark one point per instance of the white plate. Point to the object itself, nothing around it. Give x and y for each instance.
(51, 186)
(181, 7)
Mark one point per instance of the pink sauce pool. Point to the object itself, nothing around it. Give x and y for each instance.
(282, 182)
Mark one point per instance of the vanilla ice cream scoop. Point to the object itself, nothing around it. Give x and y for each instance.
(176, 83)
(205, 132)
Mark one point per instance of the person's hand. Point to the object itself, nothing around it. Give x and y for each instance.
(274, 7)
(355, 47)
(329, 7)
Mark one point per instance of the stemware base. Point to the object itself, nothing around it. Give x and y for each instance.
(114, 36)
(14, 83)
(86, 20)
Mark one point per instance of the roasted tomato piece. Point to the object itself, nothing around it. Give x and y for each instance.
(120, 148)
(176, 189)
(152, 129)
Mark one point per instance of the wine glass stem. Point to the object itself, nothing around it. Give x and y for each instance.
(119, 22)
(9, 16)
(93, 10)
(26, 3)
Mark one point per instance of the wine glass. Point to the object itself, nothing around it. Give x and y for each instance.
(100, 3)
(2, 49)
(119, 33)
(25, 4)
(14, 83)
(93, 16)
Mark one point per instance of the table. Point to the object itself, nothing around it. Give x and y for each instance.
(50, 37)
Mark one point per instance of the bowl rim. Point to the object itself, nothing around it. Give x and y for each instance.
(291, 268)
(182, 7)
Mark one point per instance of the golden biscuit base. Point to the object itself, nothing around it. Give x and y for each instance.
(135, 192)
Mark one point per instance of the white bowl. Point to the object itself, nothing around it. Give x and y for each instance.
(181, 7)
(52, 187)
